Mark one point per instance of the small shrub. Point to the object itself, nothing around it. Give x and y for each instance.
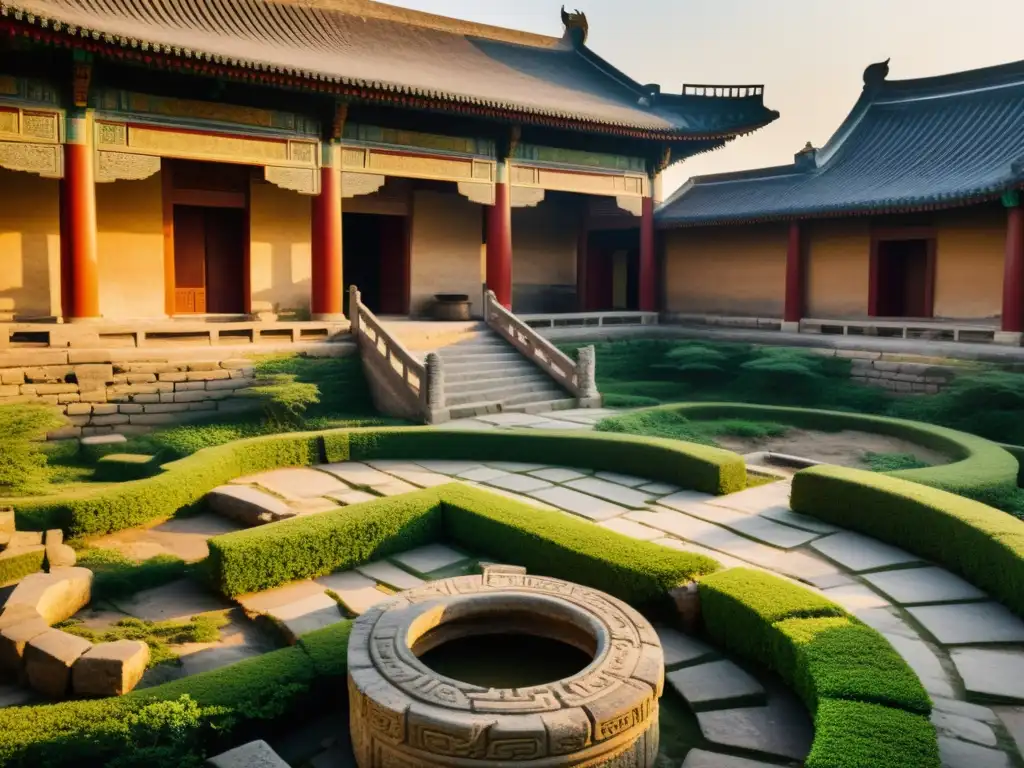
(893, 462)
(753, 430)
(655, 423)
(852, 734)
(284, 399)
(157, 635)
(23, 466)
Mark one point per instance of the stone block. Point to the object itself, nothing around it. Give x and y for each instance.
(71, 397)
(256, 754)
(243, 373)
(166, 407)
(151, 418)
(106, 421)
(190, 386)
(16, 636)
(27, 358)
(7, 520)
(49, 658)
(141, 378)
(189, 397)
(153, 368)
(203, 365)
(56, 596)
(93, 375)
(174, 376)
(12, 376)
(146, 398)
(60, 555)
(110, 669)
(95, 431)
(130, 408)
(49, 389)
(166, 397)
(229, 384)
(93, 396)
(236, 363)
(53, 374)
(25, 539)
(248, 505)
(214, 375)
(64, 433)
(11, 390)
(687, 600)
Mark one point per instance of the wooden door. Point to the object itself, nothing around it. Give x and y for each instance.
(225, 260)
(189, 260)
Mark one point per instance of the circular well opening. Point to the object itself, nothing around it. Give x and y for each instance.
(501, 646)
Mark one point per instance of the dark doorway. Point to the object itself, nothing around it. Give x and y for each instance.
(375, 258)
(904, 278)
(209, 260)
(613, 269)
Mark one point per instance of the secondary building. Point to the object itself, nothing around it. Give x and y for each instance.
(254, 158)
(910, 215)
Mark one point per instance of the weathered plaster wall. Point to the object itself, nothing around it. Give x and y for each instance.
(969, 261)
(280, 252)
(29, 245)
(445, 249)
(544, 242)
(838, 255)
(130, 243)
(726, 270)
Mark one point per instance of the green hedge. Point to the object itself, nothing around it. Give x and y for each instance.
(982, 544)
(546, 542)
(146, 728)
(16, 565)
(93, 511)
(855, 684)
(120, 467)
(978, 468)
(305, 547)
(1017, 451)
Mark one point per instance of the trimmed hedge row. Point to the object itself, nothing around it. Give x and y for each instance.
(869, 707)
(1017, 451)
(185, 481)
(979, 466)
(982, 544)
(548, 543)
(17, 565)
(177, 724)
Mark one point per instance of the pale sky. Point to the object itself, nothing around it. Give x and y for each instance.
(809, 54)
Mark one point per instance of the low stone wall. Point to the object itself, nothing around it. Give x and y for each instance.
(902, 374)
(131, 391)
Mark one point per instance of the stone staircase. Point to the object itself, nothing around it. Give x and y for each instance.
(483, 374)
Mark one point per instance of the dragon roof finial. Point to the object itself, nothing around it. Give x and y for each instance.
(875, 74)
(576, 25)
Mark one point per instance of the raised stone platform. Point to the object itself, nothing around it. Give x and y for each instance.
(404, 713)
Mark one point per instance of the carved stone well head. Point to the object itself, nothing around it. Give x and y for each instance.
(404, 713)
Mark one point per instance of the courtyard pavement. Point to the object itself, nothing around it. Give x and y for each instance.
(964, 646)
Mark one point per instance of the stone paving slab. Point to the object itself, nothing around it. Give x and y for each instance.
(682, 649)
(515, 497)
(970, 623)
(177, 601)
(298, 482)
(963, 728)
(558, 474)
(579, 503)
(313, 506)
(631, 529)
(247, 504)
(781, 729)
(395, 488)
(715, 684)
(964, 709)
(348, 498)
(861, 553)
(783, 514)
(357, 592)
(432, 557)
(519, 483)
(559, 426)
(183, 537)
(887, 621)
(991, 673)
(771, 532)
(357, 473)
(630, 481)
(754, 499)
(603, 489)
(660, 489)
(706, 512)
(961, 754)
(482, 474)
(924, 662)
(1013, 720)
(298, 608)
(273, 599)
(685, 546)
(390, 574)
(698, 758)
(449, 467)
(516, 466)
(467, 425)
(390, 466)
(422, 478)
(680, 500)
(856, 597)
(511, 419)
(910, 586)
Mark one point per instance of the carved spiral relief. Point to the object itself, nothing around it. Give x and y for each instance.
(402, 713)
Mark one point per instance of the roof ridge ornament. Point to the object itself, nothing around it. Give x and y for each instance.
(875, 74)
(576, 26)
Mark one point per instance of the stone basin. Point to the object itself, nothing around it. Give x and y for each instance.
(402, 712)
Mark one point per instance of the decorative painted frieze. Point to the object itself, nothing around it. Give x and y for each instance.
(587, 183)
(356, 184)
(30, 141)
(28, 90)
(417, 166)
(415, 140)
(116, 166)
(532, 153)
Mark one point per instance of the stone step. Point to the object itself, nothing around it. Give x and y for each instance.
(492, 358)
(474, 347)
(497, 382)
(502, 393)
(464, 373)
(469, 410)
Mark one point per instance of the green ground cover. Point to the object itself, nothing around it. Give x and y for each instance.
(158, 635)
(116, 576)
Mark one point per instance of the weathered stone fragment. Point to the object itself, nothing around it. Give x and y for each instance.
(49, 657)
(256, 754)
(13, 640)
(55, 596)
(110, 669)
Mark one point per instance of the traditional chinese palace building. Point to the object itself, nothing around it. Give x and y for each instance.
(911, 210)
(238, 157)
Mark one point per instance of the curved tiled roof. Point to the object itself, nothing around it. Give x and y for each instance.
(372, 45)
(907, 145)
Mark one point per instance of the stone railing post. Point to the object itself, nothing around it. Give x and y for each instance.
(434, 383)
(586, 369)
(353, 310)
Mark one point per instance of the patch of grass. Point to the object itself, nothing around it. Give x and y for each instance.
(660, 423)
(158, 635)
(892, 462)
(117, 576)
(753, 430)
(23, 467)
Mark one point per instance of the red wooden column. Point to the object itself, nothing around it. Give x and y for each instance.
(499, 239)
(327, 278)
(648, 263)
(78, 224)
(582, 257)
(794, 307)
(1013, 273)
